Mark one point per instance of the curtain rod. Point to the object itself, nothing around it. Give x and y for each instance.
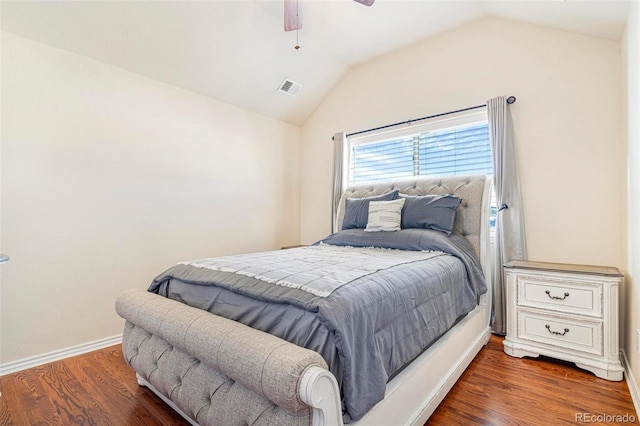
(510, 100)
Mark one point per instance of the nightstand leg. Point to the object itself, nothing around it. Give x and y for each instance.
(510, 350)
(614, 375)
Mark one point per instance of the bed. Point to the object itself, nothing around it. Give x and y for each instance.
(237, 340)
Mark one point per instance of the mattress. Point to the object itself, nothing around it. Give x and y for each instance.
(367, 323)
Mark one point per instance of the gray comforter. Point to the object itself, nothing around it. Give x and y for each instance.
(367, 325)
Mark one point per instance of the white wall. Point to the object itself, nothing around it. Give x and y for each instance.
(108, 178)
(632, 288)
(569, 138)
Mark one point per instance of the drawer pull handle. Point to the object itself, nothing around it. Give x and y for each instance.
(557, 333)
(556, 297)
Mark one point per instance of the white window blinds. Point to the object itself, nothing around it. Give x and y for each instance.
(449, 147)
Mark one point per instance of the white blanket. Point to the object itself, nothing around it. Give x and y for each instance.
(318, 270)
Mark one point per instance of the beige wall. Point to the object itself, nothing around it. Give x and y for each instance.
(632, 290)
(108, 178)
(569, 136)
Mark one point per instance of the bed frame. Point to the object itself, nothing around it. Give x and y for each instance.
(215, 371)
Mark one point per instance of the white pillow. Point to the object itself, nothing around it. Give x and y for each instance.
(385, 215)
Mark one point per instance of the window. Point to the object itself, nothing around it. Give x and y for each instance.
(450, 146)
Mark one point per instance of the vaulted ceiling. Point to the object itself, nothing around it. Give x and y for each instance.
(237, 51)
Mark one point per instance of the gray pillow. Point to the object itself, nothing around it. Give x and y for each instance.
(356, 210)
(436, 212)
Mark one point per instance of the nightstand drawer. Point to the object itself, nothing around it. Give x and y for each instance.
(579, 335)
(567, 296)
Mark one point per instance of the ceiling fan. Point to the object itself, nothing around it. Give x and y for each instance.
(293, 13)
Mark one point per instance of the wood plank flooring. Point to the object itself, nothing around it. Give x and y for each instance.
(498, 389)
(98, 388)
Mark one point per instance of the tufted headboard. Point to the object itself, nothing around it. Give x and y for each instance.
(472, 216)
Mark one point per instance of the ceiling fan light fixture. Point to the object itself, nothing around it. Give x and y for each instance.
(292, 15)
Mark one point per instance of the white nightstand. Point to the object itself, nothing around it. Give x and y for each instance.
(564, 311)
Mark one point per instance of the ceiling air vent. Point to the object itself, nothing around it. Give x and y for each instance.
(289, 87)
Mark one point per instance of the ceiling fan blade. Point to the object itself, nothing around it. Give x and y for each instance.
(365, 2)
(292, 15)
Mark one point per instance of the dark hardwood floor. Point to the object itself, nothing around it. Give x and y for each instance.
(98, 388)
(497, 389)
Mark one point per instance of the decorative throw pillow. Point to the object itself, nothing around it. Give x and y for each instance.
(384, 215)
(437, 212)
(356, 210)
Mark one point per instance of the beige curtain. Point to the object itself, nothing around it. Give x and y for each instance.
(339, 144)
(509, 233)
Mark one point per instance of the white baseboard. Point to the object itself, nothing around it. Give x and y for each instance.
(634, 390)
(34, 361)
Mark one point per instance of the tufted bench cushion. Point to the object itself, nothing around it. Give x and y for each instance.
(200, 362)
